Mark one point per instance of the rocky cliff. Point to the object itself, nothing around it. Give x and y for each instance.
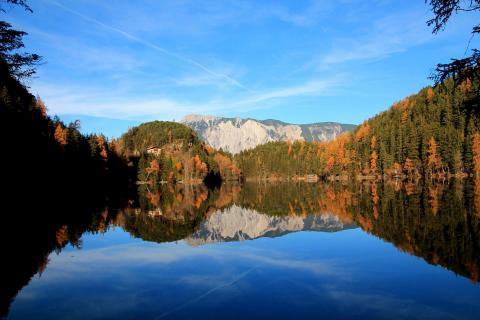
(237, 134)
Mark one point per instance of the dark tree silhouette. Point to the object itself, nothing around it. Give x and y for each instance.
(20, 64)
(21, 3)
(458, 69)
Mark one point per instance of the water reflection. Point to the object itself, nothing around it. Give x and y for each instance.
(202, 216)
(32, 231)
(438, 223)
(237, 224)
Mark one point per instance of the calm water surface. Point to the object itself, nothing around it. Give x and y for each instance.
(264, 251)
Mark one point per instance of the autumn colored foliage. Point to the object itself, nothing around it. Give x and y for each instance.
(433, 133)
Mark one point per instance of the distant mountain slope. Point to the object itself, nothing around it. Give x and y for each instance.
(237, 224)
(237, 134)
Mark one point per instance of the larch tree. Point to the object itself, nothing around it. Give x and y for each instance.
(373, 155)
(60, 135)
(476, 152)
(434, 162)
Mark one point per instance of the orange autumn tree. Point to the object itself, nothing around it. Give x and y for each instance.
(476, 152)
(434, 195)
(199, 166)
(335, 154)
(60, 135)
(373, 155)
(290, 150)
(430, 95)
(403, 104)
(101, 145)
(434, 161)
(228, 170)
(154, 169)
(362, 132)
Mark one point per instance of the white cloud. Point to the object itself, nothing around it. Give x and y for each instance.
(82, 100)
(309, 88)
(154, 46)
(388, 35)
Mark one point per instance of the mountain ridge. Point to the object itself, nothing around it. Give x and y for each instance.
(237, 134)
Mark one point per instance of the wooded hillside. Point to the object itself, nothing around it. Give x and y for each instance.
(434, 134)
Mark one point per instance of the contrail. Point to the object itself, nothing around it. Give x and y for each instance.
(236, 279)
(152, 46)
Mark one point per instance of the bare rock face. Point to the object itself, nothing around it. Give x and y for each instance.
(236, 134)
(237, 224)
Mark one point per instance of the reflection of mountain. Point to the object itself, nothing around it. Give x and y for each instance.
(237, 223)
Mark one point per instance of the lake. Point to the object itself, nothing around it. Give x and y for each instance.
(254, 251)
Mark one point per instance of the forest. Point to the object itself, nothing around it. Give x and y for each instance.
(434, 134)
(44, 154)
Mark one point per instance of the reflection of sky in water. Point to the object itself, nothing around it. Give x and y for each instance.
(310, 274)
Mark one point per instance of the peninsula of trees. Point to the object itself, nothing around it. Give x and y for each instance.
(170, 152)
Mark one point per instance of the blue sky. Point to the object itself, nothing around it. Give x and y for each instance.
(113, 64)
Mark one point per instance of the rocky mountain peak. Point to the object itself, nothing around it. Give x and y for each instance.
(237, 134)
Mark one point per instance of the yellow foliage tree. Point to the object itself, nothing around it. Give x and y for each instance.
(434, 161)
(476, 152)
(430, 95)
(60, 135)
(362, 132)
(373, 155)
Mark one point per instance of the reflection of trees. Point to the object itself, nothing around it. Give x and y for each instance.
(26, 242)
(438, 223)
(297, 199)
(173, 212)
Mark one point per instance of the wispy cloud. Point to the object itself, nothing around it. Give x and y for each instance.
(165, 59)
(97, 102)
(153, 46)
(86, 57)
(309, 16)
(385, 306)
(387, 36)
(309, 88)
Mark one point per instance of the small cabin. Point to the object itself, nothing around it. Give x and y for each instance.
(311, 178)
(154, 150)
